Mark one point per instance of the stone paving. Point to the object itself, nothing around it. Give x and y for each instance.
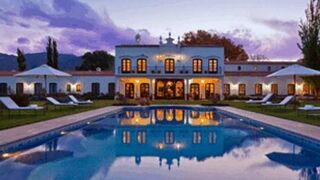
(22, 132)
(291, 126)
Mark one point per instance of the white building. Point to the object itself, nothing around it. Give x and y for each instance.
(166, 71)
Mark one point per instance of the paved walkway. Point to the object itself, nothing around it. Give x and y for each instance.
(292, 126)
(26, 131)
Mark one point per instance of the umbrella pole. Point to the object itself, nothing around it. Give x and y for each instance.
(295, 89)
(45, 85)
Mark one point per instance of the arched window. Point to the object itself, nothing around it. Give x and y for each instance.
(129, 90)
(306, 89)
(197, 66)
(160, 89)
(291, 89)
(19, 88)
(125, 65)
(213, 66)
(274, 89)
(141, 65)
(169, 65)
(95, 88)
(144, 90)
(78, 87)
(53, 88)
(3, 88)
(242, 90)
(68, 88)
(226, 89)
(258, 89)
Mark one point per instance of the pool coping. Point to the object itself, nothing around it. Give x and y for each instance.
(50, 127)
(302, 129)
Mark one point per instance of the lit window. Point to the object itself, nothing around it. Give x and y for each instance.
(291, 89)
(78, 88)
(274, 89)
(68, 87)
(306, 89)
(226, 89)
(169, 65)
(212, 138)
(179, 114)
(141, 137)
(196, 137)
(169, 137)
(142, 66)
(197, 65)
(242, 89)
(258, 89)
(213, 65)
(126, 65)
(126, 137)
(129, 90)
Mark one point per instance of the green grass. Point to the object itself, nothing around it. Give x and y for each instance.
(285, 113)
(28, 117)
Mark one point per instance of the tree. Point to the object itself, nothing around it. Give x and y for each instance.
(49, 52)
(310, 41)
(21, 60)
(233, 52)
(101, 59)
(55, 61)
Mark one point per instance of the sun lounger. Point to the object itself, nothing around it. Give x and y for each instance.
(284, 102)
(75, 100)
(11, 105)
(265, 99)
(308, 107)
(57, 103)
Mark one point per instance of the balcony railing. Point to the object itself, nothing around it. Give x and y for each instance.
(178, 70)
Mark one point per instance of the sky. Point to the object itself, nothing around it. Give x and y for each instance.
(269, 28)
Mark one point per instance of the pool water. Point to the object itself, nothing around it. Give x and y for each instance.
(164, 143)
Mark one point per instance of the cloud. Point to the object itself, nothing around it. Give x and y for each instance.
(76, 26)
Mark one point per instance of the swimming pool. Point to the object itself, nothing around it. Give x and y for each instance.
(165, 143)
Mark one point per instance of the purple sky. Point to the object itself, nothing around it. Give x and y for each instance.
(268, 28)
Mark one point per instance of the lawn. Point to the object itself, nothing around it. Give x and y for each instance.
(23, 117)
(285, 113)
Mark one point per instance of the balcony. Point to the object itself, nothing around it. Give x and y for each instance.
(178, 71)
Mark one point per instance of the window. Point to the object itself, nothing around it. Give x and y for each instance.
(258, 89)
(196, 137)
(269, 68)
(239, 68)
(291, 89)
(213, 66)
(226, 90)
(212, 138)
(125, 65)
(68, 88)
(37, 88)
(19, 88)
(195, 91)
(197, 66)
(126, 137)
(95, 88)
(141, 137)
(141, 65)
(129, 90)
(53, 88)
(274, 89)
(144, 90)
(242, 90)
(78, 88)
(3, 89)
(209, 90)
(306, 89)
(169, 65)
(111, 89)
(169, 137)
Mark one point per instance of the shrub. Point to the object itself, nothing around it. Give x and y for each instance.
(214, 99)
(122, 99)
(144, 101)
(21, 100)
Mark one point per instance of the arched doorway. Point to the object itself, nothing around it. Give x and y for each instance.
(144, 90)
(209, 90)
(129, 90)
(195, 91)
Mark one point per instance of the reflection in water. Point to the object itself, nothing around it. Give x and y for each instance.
(140, 144)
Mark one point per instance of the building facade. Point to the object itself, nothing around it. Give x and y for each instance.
(166, 70)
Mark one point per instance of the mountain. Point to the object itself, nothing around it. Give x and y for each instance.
(66, 61)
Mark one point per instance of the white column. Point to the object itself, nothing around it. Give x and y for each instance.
(186, 89)
(222, 87)
(152, 87)
(117, 81)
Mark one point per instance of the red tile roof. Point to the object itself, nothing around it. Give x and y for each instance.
(8, 73)
(246, 73)
(262, 62)
(91, 73)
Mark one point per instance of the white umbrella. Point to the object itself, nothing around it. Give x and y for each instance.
(45, 71)
(295, 70)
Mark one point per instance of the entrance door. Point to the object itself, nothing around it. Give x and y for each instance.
(195, 91)
(169, 89)
(210, 90)
(129, 90)
(144, 90)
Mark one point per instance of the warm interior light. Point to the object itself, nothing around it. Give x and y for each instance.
(160, 146)
(137, 81)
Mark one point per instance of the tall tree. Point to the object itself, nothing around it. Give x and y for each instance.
(233, 52)
(310, 41)
(49, 52)
(21, 60)
(55, 61)
(97, 59)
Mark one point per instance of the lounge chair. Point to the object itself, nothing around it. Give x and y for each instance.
(264, 100)
(57, 103)
(309, 108)
(11, 105)
(284, 102)
(75, 100)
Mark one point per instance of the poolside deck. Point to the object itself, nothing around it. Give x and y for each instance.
(291, 126)
(27, 131)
